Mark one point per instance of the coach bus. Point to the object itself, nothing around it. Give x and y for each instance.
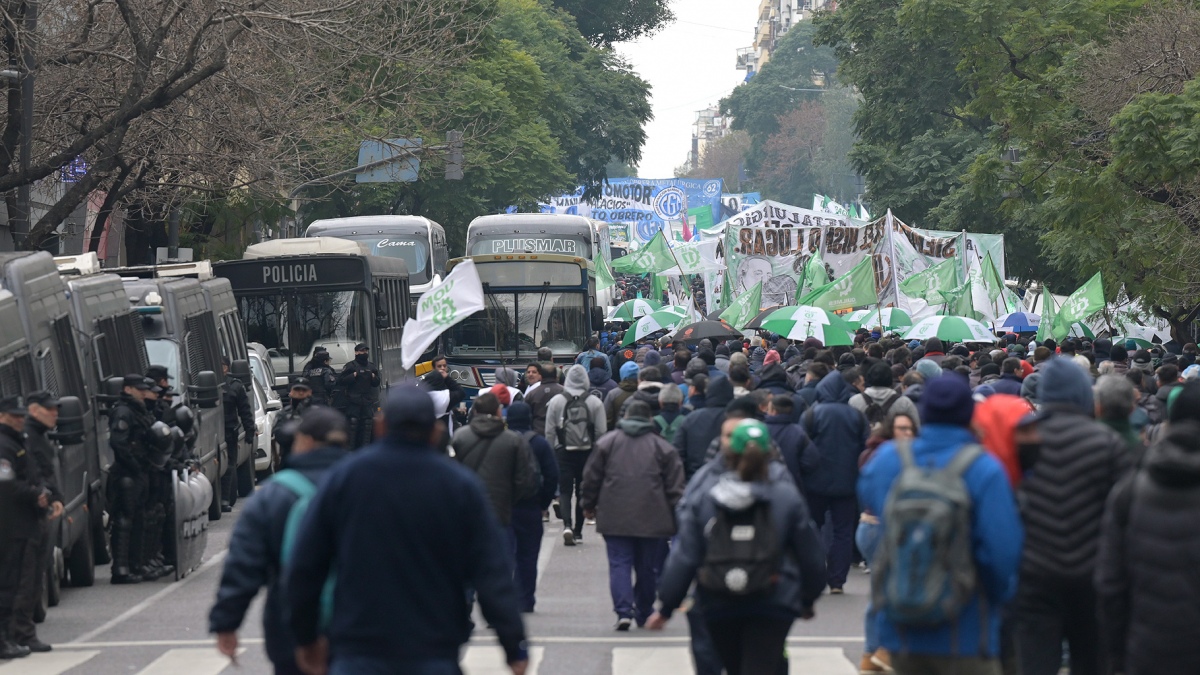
(295, 295)
(532, 301)
(418, 241)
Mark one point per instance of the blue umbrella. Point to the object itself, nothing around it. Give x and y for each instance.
(1019, 322)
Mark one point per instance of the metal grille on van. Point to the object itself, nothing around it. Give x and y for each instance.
(49, 377)
(195, 346)
(64, 337)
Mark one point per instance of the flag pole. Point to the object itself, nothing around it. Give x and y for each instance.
(890, 223)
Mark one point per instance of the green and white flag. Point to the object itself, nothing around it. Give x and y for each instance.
(856, 287)
(1085, 301)
(655, 256)
(815, 276)
(458, 297)
(930, 283)
(1046, 327)
(726, 290)
(604, 277)
(958, 301)
(991, 277)
(745, 308)
(657, 286)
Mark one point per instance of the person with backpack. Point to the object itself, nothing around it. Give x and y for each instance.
(880, 398)
(631, 484)
(840, 433)
(948, 622)
(617, 396)
(501, 458)
(750, 544)
(539, 399)
(671, 416)
(574, 421)
(1146, 580)
(256, 548)
(527, 513)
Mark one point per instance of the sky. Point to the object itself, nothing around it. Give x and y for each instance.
(690, 65)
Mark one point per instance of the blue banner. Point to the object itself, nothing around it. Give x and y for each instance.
(647, 205)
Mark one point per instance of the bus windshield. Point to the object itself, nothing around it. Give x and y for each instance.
(292, 325)
(165, 353)
(517, 324)
(411, 248)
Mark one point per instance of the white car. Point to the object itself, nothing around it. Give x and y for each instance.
(266, 460)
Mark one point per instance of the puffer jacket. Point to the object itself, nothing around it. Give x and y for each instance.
(1146, 579)
(801, 574)
(501, 458)
(647, 392)
(703, 425)
(633, 480)
(840, 433)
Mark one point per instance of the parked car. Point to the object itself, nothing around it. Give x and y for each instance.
(266, 457)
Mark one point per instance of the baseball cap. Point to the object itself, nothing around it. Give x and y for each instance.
(12, 405)
(136, 381)
(42, 398)
(749, 431)
(157, 372)
(301, 383)
(361, 347)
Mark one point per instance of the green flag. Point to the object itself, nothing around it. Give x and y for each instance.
(958, 301)
(815, 276)
(1046, 325)
(655, 256)
(604, 277)
(931, 282)
(991, 278)
(700, 217)
(1085, 301)
(657, 286)
(745, 308)
(852, 289)
(726, 290)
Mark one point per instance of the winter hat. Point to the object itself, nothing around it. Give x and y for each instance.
(771, 357)
(928, 369)
(722, 350)
(749, 432)
(989, 369)
(947, 400)
(1029, 387)
(1118, 354)
(1065, 383)
(846, 362)
(652, 359)
(578, 383)
(520, 416)
(629, 370)
(695, 367)
(501, 392)
(1083, 362)
(1183, 404)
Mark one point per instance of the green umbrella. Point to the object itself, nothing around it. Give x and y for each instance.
(952, 329)
(1141, 343)
(664, 319)
(889, 317)
(632, 309)
(805, 321)
(804, 313)
(1080, 330)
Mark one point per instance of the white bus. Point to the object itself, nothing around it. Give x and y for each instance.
(418, 241)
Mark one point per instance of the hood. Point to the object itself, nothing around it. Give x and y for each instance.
(833, 389)
(1164, 392)
(577, 380)
(520, 416)
(650, 387)
(487, 426)
(878, 394)
(627, 385)
(507, 376)
(734, 494)
(719, 393)
(1175, 460)
(598, 376)
(1064, 382)
(773, 374)
(635, 426)
(995, 420)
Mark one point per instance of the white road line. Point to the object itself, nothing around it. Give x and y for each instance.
(188, 662)
(570, 639)
(148, 602)
(545, 551)
(52, 663)
(115, 644)
(650, 660)
(823, 660)
(490, 661)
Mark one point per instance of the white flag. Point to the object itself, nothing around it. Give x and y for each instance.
(458, 296)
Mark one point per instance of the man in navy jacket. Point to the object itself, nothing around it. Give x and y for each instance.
(408, 533)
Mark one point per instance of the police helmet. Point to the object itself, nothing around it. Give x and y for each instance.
(161, 444)
(185, 419)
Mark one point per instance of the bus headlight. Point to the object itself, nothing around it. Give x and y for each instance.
(462, 376)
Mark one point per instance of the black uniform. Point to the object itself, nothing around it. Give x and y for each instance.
(19, 560)
(322, 379)
(156, 557)
(360, 379)
(237, 410)
(128, 424)
(43, 453)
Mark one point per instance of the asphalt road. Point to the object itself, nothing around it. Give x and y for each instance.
(160, 628)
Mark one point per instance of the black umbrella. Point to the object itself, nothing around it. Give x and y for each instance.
(756, 322)
(710, 330)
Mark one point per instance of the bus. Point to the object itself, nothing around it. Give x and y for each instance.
(542, 233)
(532, 301)
(295, 295)
(418, 241)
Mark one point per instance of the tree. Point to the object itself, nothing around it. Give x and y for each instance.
(722, 158)
(605, 22)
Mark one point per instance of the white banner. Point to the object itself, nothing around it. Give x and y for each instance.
(458, 296)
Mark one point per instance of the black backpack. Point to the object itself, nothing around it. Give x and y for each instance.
(744, 553)
(576, 431)
(877, 412)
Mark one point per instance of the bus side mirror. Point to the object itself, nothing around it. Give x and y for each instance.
(206, 393)
(241, 370)
(597, 317)
(69, 430)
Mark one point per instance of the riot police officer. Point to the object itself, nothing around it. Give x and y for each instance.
(300, 400)
(321, 377)
(160, 493)
(40, 420)
(161, 378)
(128, 424)
(237, 408)
(19, 562)
(360, 379)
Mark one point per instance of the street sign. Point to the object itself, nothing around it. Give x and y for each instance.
(403, 170)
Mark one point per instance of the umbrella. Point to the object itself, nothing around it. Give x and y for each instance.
(664, 319)
(804, 321)
(889, 317)
(711, 330)
(1124, 341)
(632, 309)
(1081, 330)
(1140, 332)
(1019, 322)
(950, 328)
(804, 313)
(756, 322)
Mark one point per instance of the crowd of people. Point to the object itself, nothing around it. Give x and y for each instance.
(1020, 506)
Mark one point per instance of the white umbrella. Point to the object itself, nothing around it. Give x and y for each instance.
(950, 328)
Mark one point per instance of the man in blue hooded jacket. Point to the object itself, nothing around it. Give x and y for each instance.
(964, 646)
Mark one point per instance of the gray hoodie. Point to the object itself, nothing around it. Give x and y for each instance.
(577, 384)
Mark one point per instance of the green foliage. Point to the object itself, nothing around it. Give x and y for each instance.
(604, 22)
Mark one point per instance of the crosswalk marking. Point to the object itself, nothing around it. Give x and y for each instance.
(823, 660)
(52, 663)
(200, 661)
(659, 660)
(490, 661)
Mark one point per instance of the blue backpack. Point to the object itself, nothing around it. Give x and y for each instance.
(304, 489)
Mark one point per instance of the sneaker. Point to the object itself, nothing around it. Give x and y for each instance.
(836, 590)
(867, 666)
(225, 507)
(124, 579)
(882, 659)
(624, 623)
(579, 536)
(12, 650)
(568, 538)
(590, 521)
(557, 509)
(37, 646)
